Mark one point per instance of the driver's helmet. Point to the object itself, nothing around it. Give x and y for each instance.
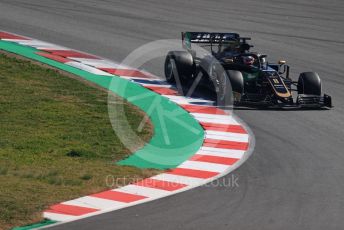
(248, 60)
(263, 61)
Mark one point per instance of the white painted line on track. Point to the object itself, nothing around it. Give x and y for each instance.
(42, 45)
(99, 63)
(59, 217)
(226, 136)
(88, 68)
(95, 202)
(205, 166)
(143, 191)
(178, 179)
(232, 154)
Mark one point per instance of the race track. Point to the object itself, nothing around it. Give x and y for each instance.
(294, 179)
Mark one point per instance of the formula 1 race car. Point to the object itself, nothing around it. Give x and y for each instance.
(253, 80)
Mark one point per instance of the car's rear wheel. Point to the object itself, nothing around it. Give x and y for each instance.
(309, 83)
(236, 80)
(230, 87)
(179, 65)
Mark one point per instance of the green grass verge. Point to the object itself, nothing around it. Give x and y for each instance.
(56, 141)
(185, 135)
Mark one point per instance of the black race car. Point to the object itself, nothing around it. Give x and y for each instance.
(253, 81)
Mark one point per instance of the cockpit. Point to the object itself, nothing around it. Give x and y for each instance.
(244, 60)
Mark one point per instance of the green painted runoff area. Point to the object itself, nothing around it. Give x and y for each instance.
(177, 136)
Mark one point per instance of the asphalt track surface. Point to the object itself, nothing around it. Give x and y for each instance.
(294, 179)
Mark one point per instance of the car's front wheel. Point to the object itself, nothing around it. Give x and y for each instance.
(309, 83)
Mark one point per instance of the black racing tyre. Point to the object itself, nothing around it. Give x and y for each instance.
(237, 81)
(180, 62)
(309, 83)
(222, 87)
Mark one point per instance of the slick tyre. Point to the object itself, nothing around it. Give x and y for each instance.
(178, 65)
(309, 83)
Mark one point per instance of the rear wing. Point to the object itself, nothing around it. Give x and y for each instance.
(211, 38)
